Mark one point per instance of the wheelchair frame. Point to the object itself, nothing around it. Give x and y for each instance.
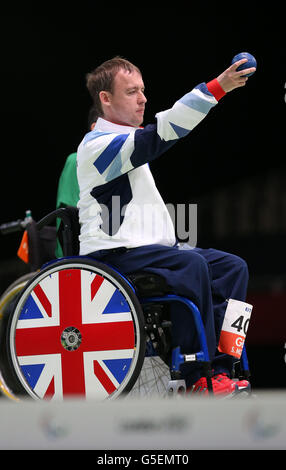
(144, 309)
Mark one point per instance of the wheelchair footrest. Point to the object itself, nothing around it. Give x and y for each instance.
(176, 387)
(178, 359)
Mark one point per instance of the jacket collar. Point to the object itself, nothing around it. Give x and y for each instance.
(108, 126)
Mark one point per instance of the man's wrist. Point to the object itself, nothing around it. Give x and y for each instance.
(216, 89)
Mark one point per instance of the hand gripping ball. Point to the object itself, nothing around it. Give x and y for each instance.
(251, 62)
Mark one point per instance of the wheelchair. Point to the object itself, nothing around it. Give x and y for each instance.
(76, 327)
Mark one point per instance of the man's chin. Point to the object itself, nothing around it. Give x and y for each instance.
(139, 122)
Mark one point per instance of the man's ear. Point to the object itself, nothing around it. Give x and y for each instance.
(104, 97)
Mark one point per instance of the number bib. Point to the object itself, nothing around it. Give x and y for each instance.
(234, 328)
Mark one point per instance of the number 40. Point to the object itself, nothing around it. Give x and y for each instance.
(239, 324)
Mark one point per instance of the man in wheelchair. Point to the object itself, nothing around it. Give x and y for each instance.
(125, 223)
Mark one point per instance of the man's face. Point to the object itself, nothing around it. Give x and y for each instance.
(126, 105)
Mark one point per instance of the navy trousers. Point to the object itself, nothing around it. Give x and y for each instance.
(208, 277)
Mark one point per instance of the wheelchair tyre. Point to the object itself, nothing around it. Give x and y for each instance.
(77, 330)
(6, 300)
(9, 294)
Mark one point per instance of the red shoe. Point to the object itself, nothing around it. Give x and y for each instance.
(220, 386)
(242, 385)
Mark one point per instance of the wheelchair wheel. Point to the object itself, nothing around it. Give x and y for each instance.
(6, 299)
(77, 330)
(153, 379)
(13, 289)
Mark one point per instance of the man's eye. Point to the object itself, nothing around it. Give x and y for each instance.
(133, 92)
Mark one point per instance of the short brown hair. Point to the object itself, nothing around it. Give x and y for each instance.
(102, 78)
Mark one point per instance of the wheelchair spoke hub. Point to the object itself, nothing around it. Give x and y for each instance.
(71, 338)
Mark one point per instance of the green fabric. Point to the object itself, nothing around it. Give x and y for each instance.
(68, 191)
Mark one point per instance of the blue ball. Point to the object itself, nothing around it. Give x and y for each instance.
(251, 62)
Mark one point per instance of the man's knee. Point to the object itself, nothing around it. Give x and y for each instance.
(239, 266)
(193, 260)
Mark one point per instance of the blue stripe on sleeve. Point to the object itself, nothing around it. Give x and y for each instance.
(109, 153)
(94, 135)
(204, 89)
(180, 131)
(148, 145)
(195, 102)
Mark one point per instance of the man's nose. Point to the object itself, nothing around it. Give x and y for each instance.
(141, 97)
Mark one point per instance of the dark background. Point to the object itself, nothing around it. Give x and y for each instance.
(232, 165)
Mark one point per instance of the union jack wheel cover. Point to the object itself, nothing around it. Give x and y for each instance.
(77, 332)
